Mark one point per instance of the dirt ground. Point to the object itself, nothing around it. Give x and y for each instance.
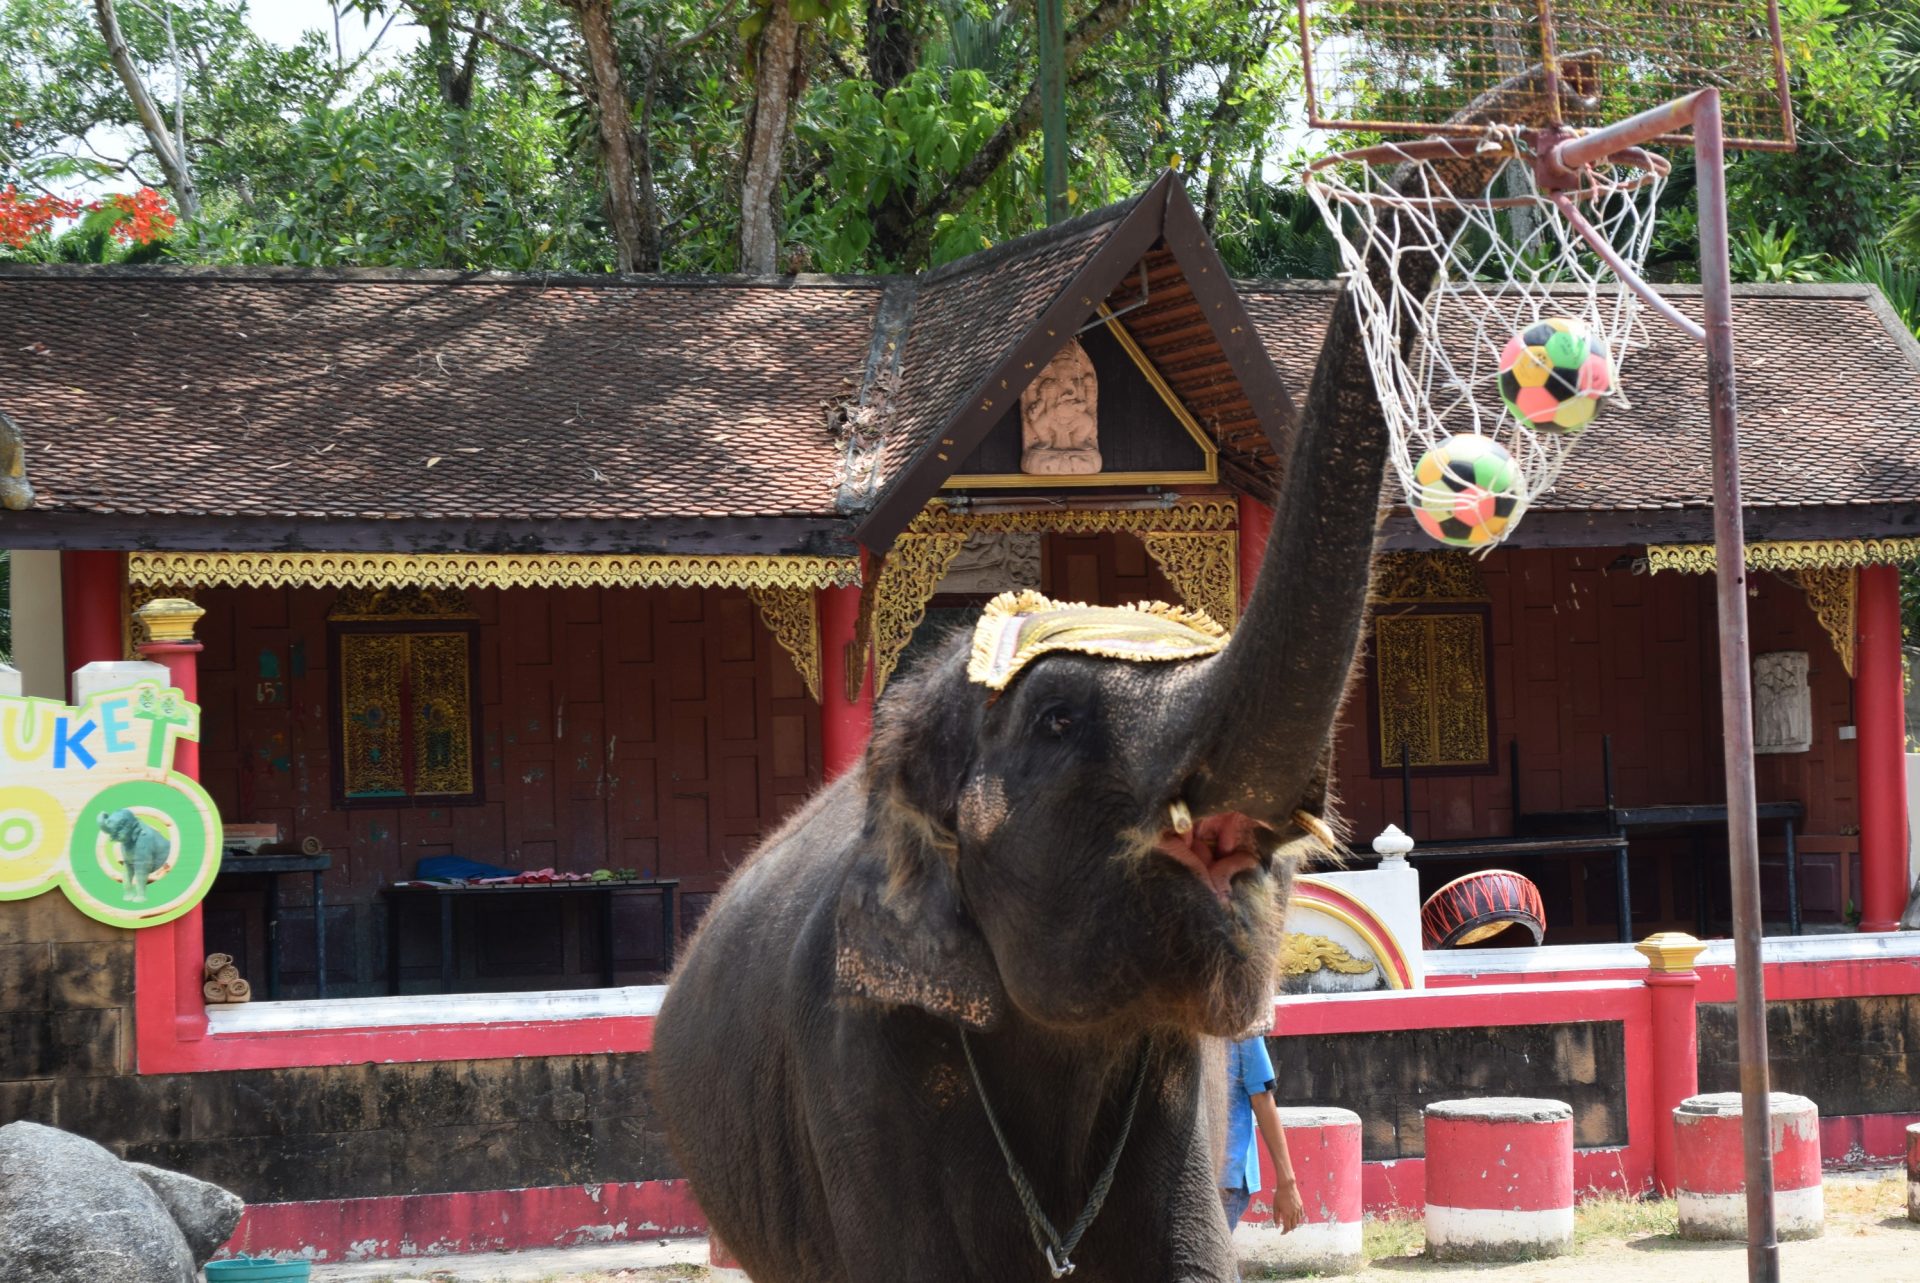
(1868, 1238)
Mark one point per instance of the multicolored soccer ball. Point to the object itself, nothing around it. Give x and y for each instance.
(1553, 374)
(1469, 487)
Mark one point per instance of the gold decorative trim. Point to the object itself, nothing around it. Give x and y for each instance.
(1204, 568)
(1833, 595)
(792, 615)
(1789, 554)
(456, 570)
(1670, 952)
(1427, 576)
(1190, 516)
(401, 601)
(893, 605)
(1209, 451)
(169, 619)
(134, 596)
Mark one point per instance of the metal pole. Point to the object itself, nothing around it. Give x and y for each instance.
(1736, 702)
(1053, 103)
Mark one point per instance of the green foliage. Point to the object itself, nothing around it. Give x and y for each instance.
(1765, 255)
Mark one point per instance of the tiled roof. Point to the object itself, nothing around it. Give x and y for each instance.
(261, 393)
(1829, 400)
(413, 395)
(972, 312)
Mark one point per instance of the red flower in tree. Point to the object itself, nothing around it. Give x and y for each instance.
(24, 217)
(142, 217)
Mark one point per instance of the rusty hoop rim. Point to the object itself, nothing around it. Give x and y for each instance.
(1646, 167)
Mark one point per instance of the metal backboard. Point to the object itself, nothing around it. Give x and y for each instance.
(1407, 66)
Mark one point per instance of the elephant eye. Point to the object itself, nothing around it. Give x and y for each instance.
(1056, 720)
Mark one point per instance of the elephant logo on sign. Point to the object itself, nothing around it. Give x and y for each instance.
(143, 850)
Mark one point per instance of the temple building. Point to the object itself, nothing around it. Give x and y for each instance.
(588, 582)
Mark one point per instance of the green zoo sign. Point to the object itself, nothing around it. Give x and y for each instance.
(90, 804)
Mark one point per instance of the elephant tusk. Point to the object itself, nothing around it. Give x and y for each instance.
(1314, 827)
(1182, 818)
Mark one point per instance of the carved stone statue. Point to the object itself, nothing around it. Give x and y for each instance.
(990, 564)
(16, 493)
(1059, 417)
(1782, 703)
(143, 850)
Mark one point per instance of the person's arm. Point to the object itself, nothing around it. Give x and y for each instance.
(1287, 1209)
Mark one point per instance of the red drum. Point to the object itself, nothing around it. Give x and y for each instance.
(1479, 906)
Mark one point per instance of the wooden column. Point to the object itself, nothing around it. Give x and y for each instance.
(846, 718)
(1880, 714)
(90, 604)
(1256, 523)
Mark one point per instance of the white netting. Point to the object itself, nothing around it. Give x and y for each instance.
(1508, 258)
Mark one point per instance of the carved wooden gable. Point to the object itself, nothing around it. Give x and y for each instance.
(1098, 414)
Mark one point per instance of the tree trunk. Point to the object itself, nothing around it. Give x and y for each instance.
(636, 241)
(168, 149)
(890, 43)
(910, 244)
(776, 84)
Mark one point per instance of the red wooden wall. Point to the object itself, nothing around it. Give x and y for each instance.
(660, 730)
(1584, 648)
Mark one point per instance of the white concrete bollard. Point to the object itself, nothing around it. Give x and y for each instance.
(1324, 1145)
(1499, 1179)
(1710, 1161)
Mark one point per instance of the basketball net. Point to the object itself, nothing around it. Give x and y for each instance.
(1507, 258)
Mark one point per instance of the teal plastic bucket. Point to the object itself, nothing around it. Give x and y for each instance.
(257, 1269)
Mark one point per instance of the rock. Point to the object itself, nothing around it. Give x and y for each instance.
(71, 1212)
(205, 1213)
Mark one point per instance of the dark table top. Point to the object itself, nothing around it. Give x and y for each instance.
(240, 862)
(611, 884)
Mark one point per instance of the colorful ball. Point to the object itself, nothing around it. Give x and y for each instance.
(1469, 487)
(1553, 374)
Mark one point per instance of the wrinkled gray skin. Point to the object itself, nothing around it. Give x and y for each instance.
(992, 863)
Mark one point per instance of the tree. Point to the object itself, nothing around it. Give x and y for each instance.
(169, 144)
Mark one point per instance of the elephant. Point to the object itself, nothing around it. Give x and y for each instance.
(973, 991)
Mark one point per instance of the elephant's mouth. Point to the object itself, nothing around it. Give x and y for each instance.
(1215, 848)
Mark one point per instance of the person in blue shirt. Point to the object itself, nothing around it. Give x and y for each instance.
(1250, 1101)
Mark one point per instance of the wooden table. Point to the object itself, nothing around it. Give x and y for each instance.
(443, 897)
(272, 867)
(1651, 820)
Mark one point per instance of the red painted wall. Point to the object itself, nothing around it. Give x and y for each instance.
(662, 730)
(1584, 648)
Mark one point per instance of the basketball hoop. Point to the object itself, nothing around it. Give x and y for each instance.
(1510, 256)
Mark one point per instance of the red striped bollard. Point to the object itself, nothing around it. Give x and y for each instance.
(1324, 1145)
(1712, 1162)
(1499, 1179)
(720, 1262)
(1913, 1171)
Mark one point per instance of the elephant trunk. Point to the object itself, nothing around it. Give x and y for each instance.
(1261, 725)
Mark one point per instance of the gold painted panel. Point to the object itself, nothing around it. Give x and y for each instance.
(372, 667)
(1431, 675)
(442, 713)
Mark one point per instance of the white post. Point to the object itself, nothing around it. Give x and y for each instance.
(39, 633)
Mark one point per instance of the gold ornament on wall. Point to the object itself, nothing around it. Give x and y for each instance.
(1833, 595)
(1789, 554)
(1204, 568)
(459, 571)
(792, 615)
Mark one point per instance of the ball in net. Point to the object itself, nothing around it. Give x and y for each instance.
(1467, 490)
(1554, 373)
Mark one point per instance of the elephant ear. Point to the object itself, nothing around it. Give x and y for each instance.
(912, 944)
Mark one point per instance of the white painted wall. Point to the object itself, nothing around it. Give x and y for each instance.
(39, 640)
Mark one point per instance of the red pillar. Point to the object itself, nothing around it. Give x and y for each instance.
(90, 605)
(169, 959)
(1256, 523)
(844, 723)
(1880, 713)
(1674, 986)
